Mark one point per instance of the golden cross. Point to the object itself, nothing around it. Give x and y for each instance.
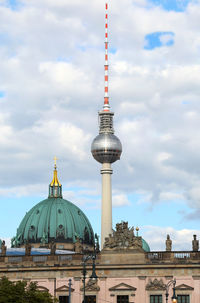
(55, 159)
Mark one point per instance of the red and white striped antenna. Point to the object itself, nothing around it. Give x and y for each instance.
(106, 106)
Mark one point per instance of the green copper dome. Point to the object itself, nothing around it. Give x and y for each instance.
(54, 219)
(145, 246)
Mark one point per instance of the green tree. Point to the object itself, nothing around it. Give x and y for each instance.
(22, 292)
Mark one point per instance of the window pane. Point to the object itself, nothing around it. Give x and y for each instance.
(90, 299)
(63, 299)
(122, 299)
(155, 298)
(183, 299)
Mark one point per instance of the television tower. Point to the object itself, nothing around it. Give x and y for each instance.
(106, 148)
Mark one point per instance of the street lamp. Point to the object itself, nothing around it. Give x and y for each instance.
(70, 288)
(84, 271)
(174, 297)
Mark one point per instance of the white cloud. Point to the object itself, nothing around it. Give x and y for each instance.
(52, 66)
(120, 200)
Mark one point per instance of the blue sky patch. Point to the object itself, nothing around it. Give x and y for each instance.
(12, 4)
(172, 5)
(112, 50)
(4, 38)
(158, 39)
(2, 94)
(185, 102)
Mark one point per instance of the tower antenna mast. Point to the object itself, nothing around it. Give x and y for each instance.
(106, 106)
(106, 148)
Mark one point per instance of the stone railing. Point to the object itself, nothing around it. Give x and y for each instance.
(57, 259)
(173, 256)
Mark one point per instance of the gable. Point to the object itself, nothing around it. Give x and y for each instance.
(184, 287)
(42, 288)
(64, 288)
(122, 287)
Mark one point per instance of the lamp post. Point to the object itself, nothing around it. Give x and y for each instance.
(174, 297)
(84, 271)
(70, 287)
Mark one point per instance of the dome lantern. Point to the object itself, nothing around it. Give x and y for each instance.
(55, 187)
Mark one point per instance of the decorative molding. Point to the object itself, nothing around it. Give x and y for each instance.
(42, 288)
(91, 286)
(184, 287)
(169, 277)
(77, 278)
(196, 277)
(156, 285)
(64, 288)
(122, 287)
(142, 277)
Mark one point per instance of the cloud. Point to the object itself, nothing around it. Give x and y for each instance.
(120, 200)
(52, 70)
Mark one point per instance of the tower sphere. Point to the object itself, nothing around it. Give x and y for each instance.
(106, 148)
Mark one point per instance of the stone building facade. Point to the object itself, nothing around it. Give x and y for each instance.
(126, 272)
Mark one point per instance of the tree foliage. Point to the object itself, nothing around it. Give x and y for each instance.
(22, 292)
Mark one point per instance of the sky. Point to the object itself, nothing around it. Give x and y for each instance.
(51, 88)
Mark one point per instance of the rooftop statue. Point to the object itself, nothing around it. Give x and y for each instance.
(3, 248)
(168, 243)
(123, 238)
(195, 243)
(52, 248)
(27, 249)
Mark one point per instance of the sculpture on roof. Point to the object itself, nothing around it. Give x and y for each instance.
(52, 248)
(3, 248)
(195, 243)
(44, 239)
(27, 249)
(168, 243)
(123, 238)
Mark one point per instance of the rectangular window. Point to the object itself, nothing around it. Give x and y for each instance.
(183, 298)
(155, 298)
(90, 299)
(63, 299)
(122, 299)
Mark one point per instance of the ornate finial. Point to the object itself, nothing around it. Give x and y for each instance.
(55, 159)
(137, 230)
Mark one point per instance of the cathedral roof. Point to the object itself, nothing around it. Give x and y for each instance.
(54, 219)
